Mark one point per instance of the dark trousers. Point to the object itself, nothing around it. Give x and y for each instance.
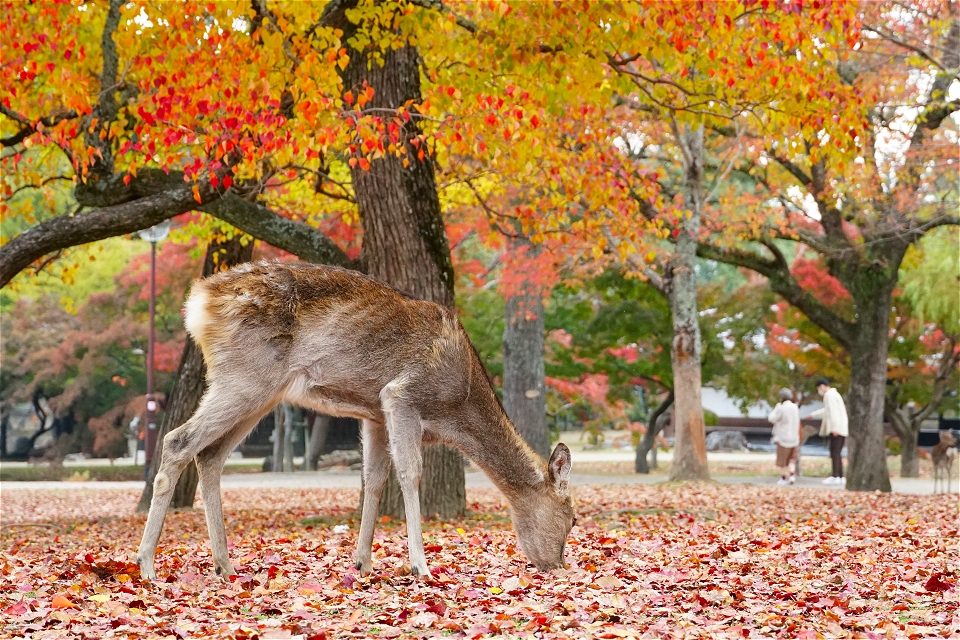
(836, 446)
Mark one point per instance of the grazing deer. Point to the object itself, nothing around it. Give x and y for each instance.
(343, 344)
(943, 454)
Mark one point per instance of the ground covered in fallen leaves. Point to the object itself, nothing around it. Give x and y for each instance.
(644, 561)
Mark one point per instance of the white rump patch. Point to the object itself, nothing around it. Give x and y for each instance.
(196, 317)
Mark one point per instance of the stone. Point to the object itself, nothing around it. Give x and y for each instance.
(727, 441)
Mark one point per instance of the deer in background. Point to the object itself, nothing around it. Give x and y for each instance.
(343, 344)
(943, 454)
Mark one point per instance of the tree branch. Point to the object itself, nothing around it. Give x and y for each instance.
(941, 382)
(783, 283)
(30, 128)
(306, 242)
(105, 112)
(437, 5)
(72, 230)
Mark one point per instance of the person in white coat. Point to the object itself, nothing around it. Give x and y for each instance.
(834, 426)
(785, 418)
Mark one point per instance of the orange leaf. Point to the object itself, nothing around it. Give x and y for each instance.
(60, 602)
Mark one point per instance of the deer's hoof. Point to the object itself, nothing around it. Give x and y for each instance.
(225, 571)
(147, 572)
(421, 572)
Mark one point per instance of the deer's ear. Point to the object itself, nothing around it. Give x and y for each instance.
(560, 465)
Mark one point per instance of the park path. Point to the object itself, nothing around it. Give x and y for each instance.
(475, 479)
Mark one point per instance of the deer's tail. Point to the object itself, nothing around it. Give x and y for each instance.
(199, 318)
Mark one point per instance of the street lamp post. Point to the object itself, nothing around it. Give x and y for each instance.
(153, 235)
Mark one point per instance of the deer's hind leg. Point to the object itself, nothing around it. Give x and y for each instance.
(221, 412)
(210, 463)
(376, 468)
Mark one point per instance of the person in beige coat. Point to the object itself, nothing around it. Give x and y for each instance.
(785, 418)
(834, 426)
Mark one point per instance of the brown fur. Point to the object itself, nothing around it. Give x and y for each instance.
(344, 344)
(943, 454)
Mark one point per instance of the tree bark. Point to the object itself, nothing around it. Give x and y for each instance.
(188, 388)
(689, 449)
(288, 431)
(908, 431)
(279, 435)
(319, 428)
(658, 419)
(866, 450)
(69, 231)
(909, 459)
(523, 372)
(404, 239)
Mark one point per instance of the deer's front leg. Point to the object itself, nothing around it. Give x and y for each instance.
(406, 436)
(376, 468)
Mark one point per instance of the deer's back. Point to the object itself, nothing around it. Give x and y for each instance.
(323, 330)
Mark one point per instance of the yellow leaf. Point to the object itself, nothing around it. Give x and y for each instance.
(100, 597)
(496, 590)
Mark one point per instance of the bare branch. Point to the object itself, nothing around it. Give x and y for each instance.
(889, 37)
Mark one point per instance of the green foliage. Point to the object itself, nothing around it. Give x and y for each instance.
(710, 419)
(931, 278)
(101, 264)
(893, 445)
(482, 314)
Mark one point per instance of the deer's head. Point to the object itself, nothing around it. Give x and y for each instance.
(543, 520)
(947, 438)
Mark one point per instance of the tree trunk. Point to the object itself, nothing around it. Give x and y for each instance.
(866, 452)
(189, 386)
(689, 449)
(908, 431)
(279, 435)
(909, 458)
(523, 387)
(288, 432)
(319, 428)
(658, 419)
(404, 239)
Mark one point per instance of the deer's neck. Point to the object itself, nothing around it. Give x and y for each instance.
(492, 442)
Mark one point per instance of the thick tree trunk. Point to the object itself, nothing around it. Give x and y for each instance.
(656, 423)
(189, 387)
(689, 449)
(523, 387)
(404, 239)
(866, 452)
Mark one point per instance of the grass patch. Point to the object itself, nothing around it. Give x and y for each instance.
(115, 473)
